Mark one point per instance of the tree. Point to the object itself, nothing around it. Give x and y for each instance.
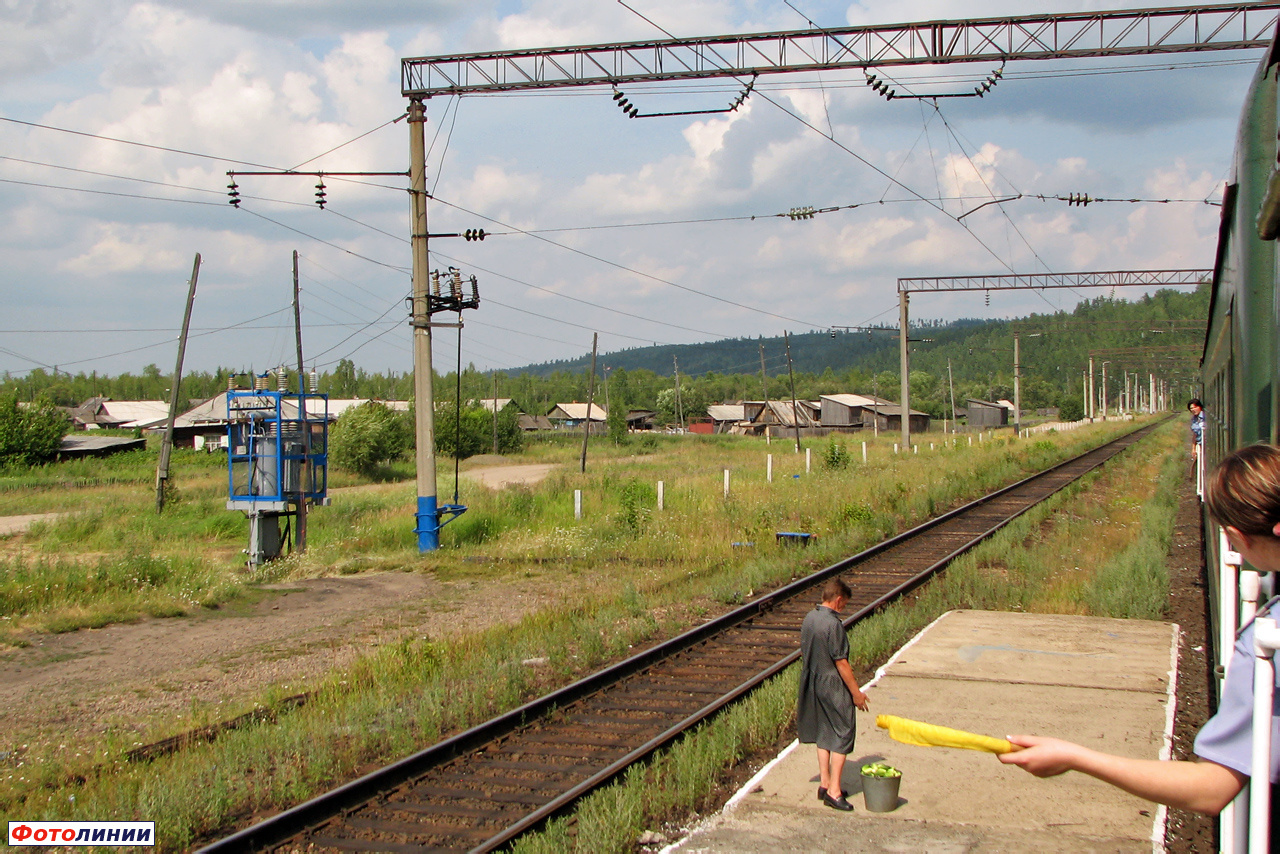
(464, 434)
(368, 436)
(29, 434)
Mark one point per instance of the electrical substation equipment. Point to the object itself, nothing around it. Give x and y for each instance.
(277, 457)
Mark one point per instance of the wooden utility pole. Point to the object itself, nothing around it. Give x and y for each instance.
(795, 412)
(679, 409)
(591, 393)
(166, 447)
(305, 469)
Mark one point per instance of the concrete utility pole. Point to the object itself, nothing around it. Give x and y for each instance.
(162, 470)
(795, 409)
(1017, 388)
(904, 360)
(591, 394)
(1092, 398)
(427, 516)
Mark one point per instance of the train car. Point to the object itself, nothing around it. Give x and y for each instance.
(1239, 364)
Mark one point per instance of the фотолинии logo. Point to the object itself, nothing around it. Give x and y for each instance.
(107, 833)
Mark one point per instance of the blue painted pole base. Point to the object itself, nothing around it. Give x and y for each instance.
(428, 524)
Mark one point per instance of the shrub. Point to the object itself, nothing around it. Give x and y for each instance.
(836, 456)
(29, 434)
(368, 436)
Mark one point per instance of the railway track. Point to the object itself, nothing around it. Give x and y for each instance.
(484, 787)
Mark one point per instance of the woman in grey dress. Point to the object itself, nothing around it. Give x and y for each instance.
(828, 692)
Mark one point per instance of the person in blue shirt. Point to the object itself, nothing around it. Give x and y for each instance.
(1196, 408)
(1243, 495)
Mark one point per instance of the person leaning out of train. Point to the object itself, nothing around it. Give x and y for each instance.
(1196, 408)
(1243, 495)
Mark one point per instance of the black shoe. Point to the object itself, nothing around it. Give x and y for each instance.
(839, 803)
(822, 792)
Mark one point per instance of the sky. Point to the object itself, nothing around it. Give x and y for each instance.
(119, 122)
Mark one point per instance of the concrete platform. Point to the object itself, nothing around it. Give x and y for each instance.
(1105, 683)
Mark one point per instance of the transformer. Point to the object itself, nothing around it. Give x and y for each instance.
(277, 460)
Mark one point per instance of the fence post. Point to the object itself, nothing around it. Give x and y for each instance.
(577, 504)
(864, 452)
(726, 483)
(808, 459)
(768, 468)
(660, 485)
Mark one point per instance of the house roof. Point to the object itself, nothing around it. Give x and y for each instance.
(853, 400)
(783, 414)
(121, 413)
(727, 411)
(577, 412)
(489, 403)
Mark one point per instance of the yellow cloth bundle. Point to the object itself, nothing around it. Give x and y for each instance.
(928, 735)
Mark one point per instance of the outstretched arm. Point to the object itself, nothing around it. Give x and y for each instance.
(1204, 787)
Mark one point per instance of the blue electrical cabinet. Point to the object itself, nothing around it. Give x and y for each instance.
(277, 461)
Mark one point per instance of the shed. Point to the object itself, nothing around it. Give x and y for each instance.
(640, 419)
(889, 417)
(852, 410)
(984, 413)
(726, 416)
(530, 423)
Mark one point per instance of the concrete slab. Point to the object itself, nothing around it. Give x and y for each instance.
(1104, 683)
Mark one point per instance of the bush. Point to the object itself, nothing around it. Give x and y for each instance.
(368, 436)
(29, 434)
(836, 456)
(1070, 409)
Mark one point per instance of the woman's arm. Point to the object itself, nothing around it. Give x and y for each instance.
(846, 673)
(1204, 787)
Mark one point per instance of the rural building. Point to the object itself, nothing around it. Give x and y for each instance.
(888, 416)
(983, 414)
(102, 412)
(853, 410)
(531, 423)
(773, 417)
(205, 425)
(726, 416)
(640, 419)
(572, 416)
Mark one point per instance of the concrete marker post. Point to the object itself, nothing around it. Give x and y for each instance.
(660, 494)
(864, 452)
(726, 483)
(768, 468)
(577, 504)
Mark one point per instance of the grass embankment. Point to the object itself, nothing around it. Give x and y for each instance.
(1097, 548)
(651, 573)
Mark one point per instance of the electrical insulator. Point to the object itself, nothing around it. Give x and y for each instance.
(320, 194)
(617, 95)
(234, 193)
(231, 382)
(435, 282)
(282, 378)
(474, 234)
(833, 333)
(315, 381)
(1080, 199)
(455, 283)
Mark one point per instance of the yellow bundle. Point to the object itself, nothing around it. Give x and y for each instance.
(928, 735)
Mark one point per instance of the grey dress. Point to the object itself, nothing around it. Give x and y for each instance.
(824, 713)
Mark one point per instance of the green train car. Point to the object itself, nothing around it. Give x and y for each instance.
(1239, 368)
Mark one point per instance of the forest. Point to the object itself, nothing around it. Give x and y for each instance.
(1160, 333)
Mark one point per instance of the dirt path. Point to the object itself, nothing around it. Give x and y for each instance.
(129, 677)
(496, 477)
(10, 525)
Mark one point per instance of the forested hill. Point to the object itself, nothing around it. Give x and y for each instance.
(1049, 344)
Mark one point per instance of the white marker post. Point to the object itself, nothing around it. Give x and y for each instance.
(726, 483)
(577, 504)
(660, 491)
(768, 468)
